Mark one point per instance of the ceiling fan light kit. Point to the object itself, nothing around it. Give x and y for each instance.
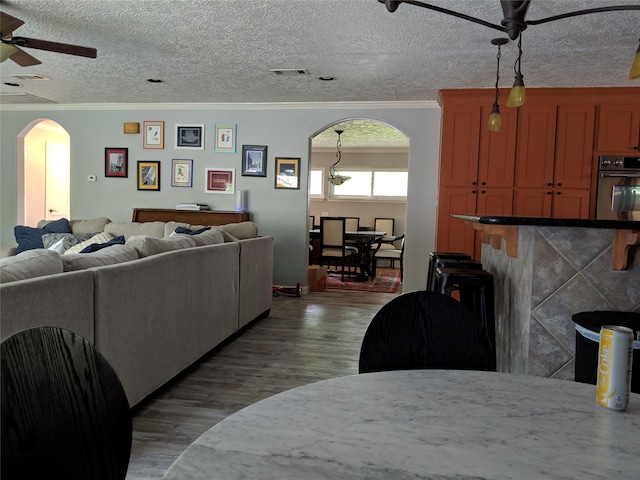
(635, 66)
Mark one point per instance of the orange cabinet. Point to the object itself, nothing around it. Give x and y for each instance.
(535, 153)
(619, 128)
(555, 203)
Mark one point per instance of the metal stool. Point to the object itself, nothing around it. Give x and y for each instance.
(433, 259)
(459, 263)
(476, 292)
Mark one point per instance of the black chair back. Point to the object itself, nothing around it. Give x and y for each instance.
(65, 414)
(424, 330)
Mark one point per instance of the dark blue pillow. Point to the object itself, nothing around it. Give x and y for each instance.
(94, 247)
(191, 232)
(29, 238)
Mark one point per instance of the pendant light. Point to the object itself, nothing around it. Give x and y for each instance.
(635, 66)
(495, 122)
(334, 177)
(518, 94)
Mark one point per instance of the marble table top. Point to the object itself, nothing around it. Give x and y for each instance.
(428, 424)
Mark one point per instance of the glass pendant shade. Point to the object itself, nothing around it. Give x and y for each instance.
(495, 122)
(518, 94)
(635, 66)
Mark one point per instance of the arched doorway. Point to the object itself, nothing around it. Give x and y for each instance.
(43, 171)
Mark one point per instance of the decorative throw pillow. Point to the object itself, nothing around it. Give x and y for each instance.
(29, 238)
(60, 242)
(101, 237)
(94, 247)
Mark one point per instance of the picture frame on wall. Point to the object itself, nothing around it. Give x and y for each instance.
(148, 175)
(181, 172)
(254, 160)
(153, 134)
(225, 138)
(288, 173)
(190, 137)
(116, 162)
(220, 180)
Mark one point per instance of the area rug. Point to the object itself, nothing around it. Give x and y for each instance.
(387, 280)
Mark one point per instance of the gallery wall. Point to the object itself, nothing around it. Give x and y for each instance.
(285, 129)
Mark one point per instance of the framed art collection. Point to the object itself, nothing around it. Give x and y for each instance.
(148, 175)
(288, 173)
(181, 172)
(153, 134)
(220, 180)
(190, 137)
(254, 160)
(116, 162)
(225, 138)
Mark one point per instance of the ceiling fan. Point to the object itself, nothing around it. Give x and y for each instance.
(514, 12)
(11, 46)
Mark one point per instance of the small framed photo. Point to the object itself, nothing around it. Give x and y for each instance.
(225, 138)
(220, 180)
(153, 135)
(288, 173)
(116, 162)
(148, 175)
(181, 172)
(254, 160)
(190, 137)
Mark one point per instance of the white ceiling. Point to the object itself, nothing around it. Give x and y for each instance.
(222, 51)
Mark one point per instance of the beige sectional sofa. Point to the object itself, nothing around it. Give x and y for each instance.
(151, 316)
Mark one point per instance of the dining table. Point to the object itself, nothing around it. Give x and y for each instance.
(363, 239)
(426, 424)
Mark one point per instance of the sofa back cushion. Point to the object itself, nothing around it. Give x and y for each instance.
(242, 230)
(147, 246)
(130, 229)
(29, 238)
(105, 256)
(30, 264)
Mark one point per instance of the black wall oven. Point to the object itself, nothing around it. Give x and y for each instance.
(618, 188)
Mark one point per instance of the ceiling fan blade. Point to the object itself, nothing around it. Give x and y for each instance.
(55, 47)
(8, 24)
(23, 59)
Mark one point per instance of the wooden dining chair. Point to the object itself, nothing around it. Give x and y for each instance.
(65, 414)
(333, 246)
(388, 242)
(390, 254)
(423, 329)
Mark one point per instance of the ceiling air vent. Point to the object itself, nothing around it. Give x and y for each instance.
(289, 71)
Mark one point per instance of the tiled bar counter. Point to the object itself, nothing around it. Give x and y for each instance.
(545, 270)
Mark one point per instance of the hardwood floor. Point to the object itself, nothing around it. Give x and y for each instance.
(306, 339)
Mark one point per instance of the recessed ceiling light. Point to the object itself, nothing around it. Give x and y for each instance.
(154, 80)
(326, 78)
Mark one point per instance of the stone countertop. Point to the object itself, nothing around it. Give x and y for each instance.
(550, 222)
(429, 424)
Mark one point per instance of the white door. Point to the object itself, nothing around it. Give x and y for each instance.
(57, 198)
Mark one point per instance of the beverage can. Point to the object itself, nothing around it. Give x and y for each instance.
(615, 356)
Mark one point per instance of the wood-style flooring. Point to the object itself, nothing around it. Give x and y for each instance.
(304, 340)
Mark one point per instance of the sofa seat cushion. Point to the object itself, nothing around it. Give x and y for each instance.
(101, 237)
(106, 256)
(30, 264)
(61, 242)
(29, 238)
(130, 229)
(147, 246)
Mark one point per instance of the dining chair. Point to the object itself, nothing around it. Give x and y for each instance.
(423, 329)
(388, 240)
(333, 245)
(352, 225)
(312, 223)
(65, 414)
(391, 254)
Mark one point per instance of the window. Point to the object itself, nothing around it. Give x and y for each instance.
(316, 183)
(372, 184)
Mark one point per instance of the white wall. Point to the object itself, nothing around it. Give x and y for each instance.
(284, 128)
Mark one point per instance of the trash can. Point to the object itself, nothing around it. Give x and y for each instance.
(588, 341)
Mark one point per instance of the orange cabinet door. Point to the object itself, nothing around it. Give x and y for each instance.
(496, 161)
(453, 235)
(533, 202)
(618, 128)
(571, 203)
(574, 146)
(535, 154)
(459, 146)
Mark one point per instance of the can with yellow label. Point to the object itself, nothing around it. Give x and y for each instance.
(615, 356)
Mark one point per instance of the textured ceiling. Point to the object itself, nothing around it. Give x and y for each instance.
(223, 51)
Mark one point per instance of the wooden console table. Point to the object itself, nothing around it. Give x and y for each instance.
(192, 217)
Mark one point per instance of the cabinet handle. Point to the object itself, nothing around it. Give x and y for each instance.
(558, 193)
(483, 191)
(549, 184)
(484, 183)
(474, 191)
(549, 193)
(560, 184)
(474, 183)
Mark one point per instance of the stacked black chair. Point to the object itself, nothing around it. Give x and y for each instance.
(434, 257)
